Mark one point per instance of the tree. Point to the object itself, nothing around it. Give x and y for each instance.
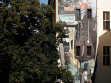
(27, 56)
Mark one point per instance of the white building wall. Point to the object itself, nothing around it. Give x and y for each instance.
(102, 5)
(104, 39)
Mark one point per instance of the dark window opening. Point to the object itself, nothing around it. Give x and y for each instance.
(106, 55)
(71, 44)
(106, 60)
(88, 50)
(88, 13)
(78, 15)
(0, 5)
(77, 50)
(106, 25)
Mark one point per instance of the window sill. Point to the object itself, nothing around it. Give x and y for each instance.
(106, 65)
(106, 30)
(77, 56)
(77, 20)
(89, 19)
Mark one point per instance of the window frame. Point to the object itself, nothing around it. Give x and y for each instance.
(71, 37)
(104, 26)
(71, 43)
(79, 14)
(90, 51)
(87, 14)
(79, 51)
(106, 55)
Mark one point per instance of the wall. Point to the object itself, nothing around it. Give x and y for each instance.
(65, 11)
(104, 72)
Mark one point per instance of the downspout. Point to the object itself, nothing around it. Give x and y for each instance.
(96, 55)
(88, 34)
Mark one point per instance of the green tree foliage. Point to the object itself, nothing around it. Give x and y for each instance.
(27, 56)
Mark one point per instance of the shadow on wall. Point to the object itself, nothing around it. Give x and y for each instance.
(102, 77)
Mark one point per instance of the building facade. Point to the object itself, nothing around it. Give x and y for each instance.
(80, 48)
(102, 72)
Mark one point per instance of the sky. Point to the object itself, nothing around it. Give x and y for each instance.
(44, 1)
(41, 1)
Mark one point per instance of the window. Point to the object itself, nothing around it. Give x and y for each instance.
(88, 50)
(106, 20)
(106, 55)
(0, 5)
(78, 14)
(77, 50)
(71, 31)
(89, 15)
(71, 44)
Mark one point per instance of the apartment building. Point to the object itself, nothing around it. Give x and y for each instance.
(80, 48)
(102, 72)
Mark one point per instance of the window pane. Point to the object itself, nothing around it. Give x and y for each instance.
(107, 15)
(103, 24)
(88, 50)
(106, 55)
(106, 60)
(107, 24)
(89, 14)
(78, 14)
(103, 15)
(71, 44)
(0, 4)
(77, 50)
(104, 50)
(108, 50)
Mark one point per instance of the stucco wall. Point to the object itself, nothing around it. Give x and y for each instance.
(104, 39)
(104, 72)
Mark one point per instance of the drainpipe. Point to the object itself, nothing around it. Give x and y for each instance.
(78, 41)
(87, 70)
(77, 69)
(88, 33)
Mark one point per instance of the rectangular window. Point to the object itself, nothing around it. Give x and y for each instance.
(89, 14)
(0, 5)
(88, 50)
(77, 50)
(78, 14)
(106, 55)
(71, 44)
(106, 20)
